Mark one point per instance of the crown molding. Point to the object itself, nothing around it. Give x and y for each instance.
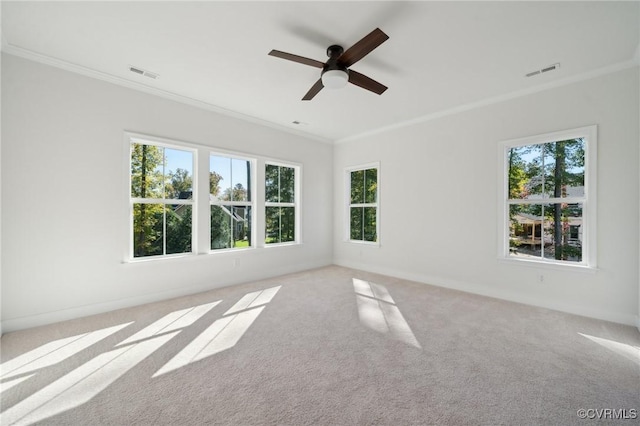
(79, 69)
(497, 99)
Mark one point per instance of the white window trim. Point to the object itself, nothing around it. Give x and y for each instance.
(348, 205)
(131, 138)
(252, 203)
(589, 252)
(201, 221)
(297, 170)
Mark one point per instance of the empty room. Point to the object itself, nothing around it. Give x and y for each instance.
(332, 213)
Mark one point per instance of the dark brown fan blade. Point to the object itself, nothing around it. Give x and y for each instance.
(296, 58)
(313, 91)
(362, 48)
(366, 82)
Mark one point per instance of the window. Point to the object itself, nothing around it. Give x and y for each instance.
(362, 190)
(280, 203)
(161, 199)
(231, 202)
(549, 193)
(173, 211)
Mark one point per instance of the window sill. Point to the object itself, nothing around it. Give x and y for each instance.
(220, 252)
(364, 243)
(160, 257)
(287, 244)
(540, 264)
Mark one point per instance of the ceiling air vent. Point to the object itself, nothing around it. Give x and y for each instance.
(144, 72)
(543, 70)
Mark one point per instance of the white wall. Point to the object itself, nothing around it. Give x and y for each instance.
(438, 184)
(64, 207)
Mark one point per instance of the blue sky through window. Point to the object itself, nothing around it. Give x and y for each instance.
(233, 171)
(178, 159)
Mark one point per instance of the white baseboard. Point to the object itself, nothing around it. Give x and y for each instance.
(626, 319)
(30, 321)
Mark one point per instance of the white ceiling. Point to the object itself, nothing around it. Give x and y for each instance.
(440, 57)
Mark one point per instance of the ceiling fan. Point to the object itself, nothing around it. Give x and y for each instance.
(335, 72)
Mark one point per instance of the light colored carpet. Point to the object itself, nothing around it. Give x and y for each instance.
(331, 346)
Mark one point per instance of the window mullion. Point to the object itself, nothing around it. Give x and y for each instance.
(279, 224)
(164, 230)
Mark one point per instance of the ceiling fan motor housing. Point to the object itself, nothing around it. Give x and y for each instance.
(334, 75)
(334, 52)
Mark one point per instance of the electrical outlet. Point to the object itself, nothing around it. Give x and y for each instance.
(541, 278)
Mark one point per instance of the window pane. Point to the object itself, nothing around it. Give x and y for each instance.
(357, 187)
(220, 177)
(280, 225)
(526, 175)
(146, 171)
(220, 227)
(370, 185)
(370, 224)
(230, 227)
(178, 228)
(554, 169)
(271, 177)
(287, 184)
(562, 218)
(287, 219)
(357, 217)
(241, 226)
(533, 231)
(525, 230)
(272, 228)
(178, 174)
(240, 173)
(564, 165)
(214, 184)
(148, 227)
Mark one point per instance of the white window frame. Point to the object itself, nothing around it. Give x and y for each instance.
(297, 170)
(251, 203)
(131, 139)
(348, 205)
(588, 201)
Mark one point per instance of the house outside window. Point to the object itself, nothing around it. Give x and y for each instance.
(363, 203)
(231, 201)
(549, 198)
(161, 199)
(281, 203)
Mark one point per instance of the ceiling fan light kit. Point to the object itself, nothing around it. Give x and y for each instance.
(335, 72)
(335, 79)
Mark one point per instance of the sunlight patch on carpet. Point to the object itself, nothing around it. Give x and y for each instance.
(252, 300)
(54, 352)
(627, 351)
(83, 383)
(378, 311)
(172, 322)
(224, 333)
